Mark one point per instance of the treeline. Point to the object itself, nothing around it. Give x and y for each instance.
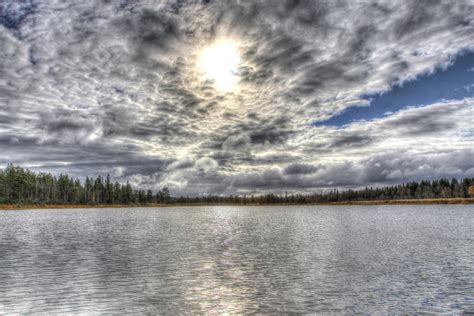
(436, 189)
(22, 186)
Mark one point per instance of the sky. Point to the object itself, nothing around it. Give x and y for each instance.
(239, 97)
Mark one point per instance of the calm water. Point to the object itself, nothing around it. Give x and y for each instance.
(342, 259)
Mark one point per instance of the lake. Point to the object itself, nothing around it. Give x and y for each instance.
(237, 259)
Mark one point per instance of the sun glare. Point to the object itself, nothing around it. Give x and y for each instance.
(219, 62)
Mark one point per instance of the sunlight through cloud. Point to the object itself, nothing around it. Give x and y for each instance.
(219, 62)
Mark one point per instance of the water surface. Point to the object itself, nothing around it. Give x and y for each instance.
(269, 259)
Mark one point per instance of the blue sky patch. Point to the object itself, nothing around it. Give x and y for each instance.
(12, 17)
(455, 82)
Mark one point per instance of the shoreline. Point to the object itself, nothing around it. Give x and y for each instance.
(366, 202)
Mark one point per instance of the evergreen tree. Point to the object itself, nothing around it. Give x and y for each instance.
(19, 185)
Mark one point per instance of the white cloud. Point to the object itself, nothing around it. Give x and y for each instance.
(114, 88)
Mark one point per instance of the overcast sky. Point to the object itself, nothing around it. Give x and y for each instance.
(233, 97)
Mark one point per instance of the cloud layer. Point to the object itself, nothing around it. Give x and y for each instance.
(113, 87)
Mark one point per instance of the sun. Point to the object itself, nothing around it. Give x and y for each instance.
(219, 62)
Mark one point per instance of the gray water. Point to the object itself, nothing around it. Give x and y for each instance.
(277, 259)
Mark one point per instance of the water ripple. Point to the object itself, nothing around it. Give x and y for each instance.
(214, 260)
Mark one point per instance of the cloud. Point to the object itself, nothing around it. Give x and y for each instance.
(187, 177)
(299, 168)
(381, 169)
(239, 142)
(113, 87)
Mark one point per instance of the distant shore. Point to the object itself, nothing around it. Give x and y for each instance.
(374, 202)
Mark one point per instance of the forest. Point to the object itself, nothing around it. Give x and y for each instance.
(22, 186)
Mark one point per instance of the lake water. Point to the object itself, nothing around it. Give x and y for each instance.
(269, 259)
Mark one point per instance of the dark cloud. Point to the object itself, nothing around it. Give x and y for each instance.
(428, 121)
(382, 169)
(79, 160)
(236, 142)
(13, 15)
(114, 87)
(351, 140)
(299, 168)
(150, 30)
